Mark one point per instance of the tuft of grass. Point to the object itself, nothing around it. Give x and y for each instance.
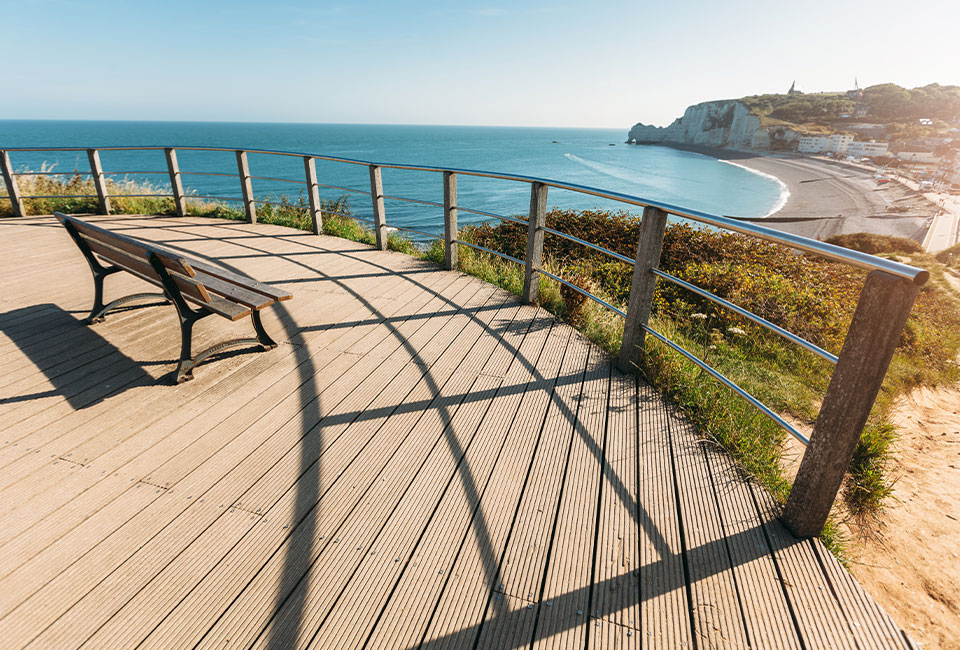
(872, 486)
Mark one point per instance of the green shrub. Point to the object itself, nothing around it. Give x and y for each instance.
(876, 244)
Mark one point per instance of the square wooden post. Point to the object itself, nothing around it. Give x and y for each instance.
(379, 218)
(534, 255)
(176, 184)
(98, 180)
(246, 185)
(13, 190)
(878, 321)
(644, 282)
(313, 194)
(450, 220)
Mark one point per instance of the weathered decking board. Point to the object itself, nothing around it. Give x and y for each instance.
(423, 462)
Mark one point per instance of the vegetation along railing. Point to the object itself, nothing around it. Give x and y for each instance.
(884, 305)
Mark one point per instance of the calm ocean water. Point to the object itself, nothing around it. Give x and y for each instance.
(583, 156)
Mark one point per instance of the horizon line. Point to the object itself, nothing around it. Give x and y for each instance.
(187, 121)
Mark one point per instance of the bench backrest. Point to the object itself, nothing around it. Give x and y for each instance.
(135, 256)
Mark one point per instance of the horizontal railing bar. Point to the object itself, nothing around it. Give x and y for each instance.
(62, 196)
(342, 214)
(419, 232)
(401, 198)
(607, 251)
(584, 292)
(823, 249)
(73, 173)
(148, 172)
(763, 408)
(139, 196)
(345, 189)
(788, 335)
(282, 180)
(492, 252)
(522, 222)
(282, 204)
(212, 198)
(210, 174)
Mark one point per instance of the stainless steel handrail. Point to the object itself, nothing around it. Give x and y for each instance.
(345, 189)
(165, 172)
(419, 232)
(493, 252)
(403, 198)
(760, 406)
(211, 174)
(74, 173)
(282, 180)
(495, 216)
(61, 196)
(584, 292)
(138, 196)
(606, 251)
(788, 335)
(823, 249)
(212, 198)
(282, 204)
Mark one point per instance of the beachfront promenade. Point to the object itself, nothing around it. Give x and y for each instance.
(423, 462)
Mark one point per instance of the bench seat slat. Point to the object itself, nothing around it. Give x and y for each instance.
(234, 292)
(235, 278)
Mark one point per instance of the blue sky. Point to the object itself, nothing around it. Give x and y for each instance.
(550, 63)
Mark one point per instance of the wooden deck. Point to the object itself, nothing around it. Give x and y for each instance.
(423, 462)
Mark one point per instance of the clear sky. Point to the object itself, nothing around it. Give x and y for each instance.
(549, 62)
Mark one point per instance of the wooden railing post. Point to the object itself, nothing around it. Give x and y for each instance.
(534, 256)
(450, 220)
(98, 180)
(176, 184)
(246, 185)
(379, 218)
(652, 228)
(878, 321)
(313, 193)
(13, 190)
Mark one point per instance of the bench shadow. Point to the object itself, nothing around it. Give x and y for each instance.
(83, 367)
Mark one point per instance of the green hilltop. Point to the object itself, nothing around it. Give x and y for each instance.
(899, 109)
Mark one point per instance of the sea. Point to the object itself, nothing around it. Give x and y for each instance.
(592, 157)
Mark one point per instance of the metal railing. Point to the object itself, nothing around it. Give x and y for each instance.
(881, 313)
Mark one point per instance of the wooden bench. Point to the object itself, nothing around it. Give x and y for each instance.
(195, 288)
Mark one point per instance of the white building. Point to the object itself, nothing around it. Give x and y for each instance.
(835, 144)
(866, 149)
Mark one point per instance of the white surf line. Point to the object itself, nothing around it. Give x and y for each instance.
(784, 190)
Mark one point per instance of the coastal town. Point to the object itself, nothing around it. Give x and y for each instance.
(891, 155)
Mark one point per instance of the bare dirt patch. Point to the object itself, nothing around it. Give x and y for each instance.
(910, 560)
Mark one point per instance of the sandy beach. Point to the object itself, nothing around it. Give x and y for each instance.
(831, 198)
(828, 198)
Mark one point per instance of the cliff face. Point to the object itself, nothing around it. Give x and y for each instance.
(726, 124)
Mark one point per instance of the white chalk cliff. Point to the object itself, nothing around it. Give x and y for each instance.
(725, 124)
